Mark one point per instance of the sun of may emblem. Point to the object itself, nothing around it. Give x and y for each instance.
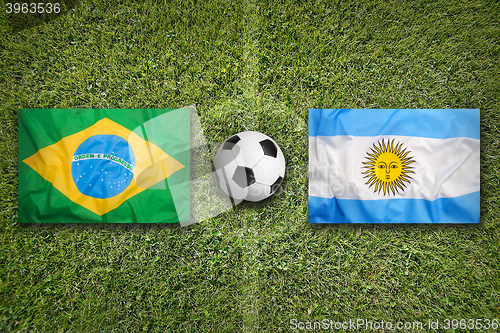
(388, 167)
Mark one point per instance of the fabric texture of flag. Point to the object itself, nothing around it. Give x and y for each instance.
(394, 166)
(104, 166)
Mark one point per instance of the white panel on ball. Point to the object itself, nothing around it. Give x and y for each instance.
(281, 162)
(267, 170)
(251, 135)
(224, 157)
(250, 153)
(228, 185)
(258, 192)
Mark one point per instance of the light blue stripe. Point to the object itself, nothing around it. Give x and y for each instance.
(462, 209)
(428, 123)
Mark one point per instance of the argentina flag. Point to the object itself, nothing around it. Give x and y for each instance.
(394, 166)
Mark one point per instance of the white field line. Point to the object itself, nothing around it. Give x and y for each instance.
(249, 301)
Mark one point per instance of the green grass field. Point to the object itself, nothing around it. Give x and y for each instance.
(250, 65)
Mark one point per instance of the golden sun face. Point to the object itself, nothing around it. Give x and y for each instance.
(388, 167)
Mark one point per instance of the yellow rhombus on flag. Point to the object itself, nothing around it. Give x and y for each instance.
(54, 163)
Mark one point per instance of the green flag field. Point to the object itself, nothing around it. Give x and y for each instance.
(250, 65)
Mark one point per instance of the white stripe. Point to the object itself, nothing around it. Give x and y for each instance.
(444, 168)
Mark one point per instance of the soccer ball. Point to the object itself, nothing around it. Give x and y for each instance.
(250, 166)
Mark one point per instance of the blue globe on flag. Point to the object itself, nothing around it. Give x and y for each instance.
(103, 166)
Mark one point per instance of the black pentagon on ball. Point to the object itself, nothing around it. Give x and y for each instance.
(269, 148)
(276, 184)
(229, 144)
(243, 176)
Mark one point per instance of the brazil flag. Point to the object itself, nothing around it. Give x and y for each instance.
(104, 165)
